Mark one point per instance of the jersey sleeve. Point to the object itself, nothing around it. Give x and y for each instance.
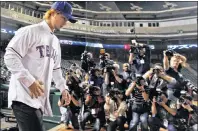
(60, 82)
(17, 48)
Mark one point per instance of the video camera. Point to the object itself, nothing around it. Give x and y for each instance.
(135, 47)
(85, 56)
(86, 61)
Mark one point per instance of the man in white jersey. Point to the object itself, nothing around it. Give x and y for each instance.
(34, 58)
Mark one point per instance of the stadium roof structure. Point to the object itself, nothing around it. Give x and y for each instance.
(124, 9)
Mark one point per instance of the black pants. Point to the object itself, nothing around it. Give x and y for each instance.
(119, 122)
(28, 118)
(155, 123)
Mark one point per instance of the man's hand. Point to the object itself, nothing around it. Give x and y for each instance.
(164, 52)
(107, 100)
(162, 103)
(116, 114)
(154, 100)
(188, 107)
(36, 89)
(66, 97)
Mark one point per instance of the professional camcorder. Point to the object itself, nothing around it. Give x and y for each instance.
(135, 47)
(86, 61)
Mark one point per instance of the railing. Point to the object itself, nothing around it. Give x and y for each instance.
(12, 14)
(22, 10)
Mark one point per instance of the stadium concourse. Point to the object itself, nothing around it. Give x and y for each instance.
(111, 46)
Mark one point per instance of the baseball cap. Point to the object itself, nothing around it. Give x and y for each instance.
(65, 8)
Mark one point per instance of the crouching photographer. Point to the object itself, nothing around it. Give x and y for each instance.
(163, 112)
(157, 79)
(140, 107)
(70, 112)
(139, 57)
(112, 79)
(186, 118)
(116, 108)
(93, 110)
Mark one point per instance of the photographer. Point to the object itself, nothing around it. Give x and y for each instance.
(173, 70)
(141, 61)
(163, 112)
(140, 107)
(70, 112)
(94, 109)
(127, 74)
(157, 79)
(112, 79)
(96, 78)
(116, 107)
(87, 61)
(186, 118)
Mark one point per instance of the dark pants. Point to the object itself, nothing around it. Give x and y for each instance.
(156, 123)
(98, 121)
(119, 122)
(28, 118)
(73, 117)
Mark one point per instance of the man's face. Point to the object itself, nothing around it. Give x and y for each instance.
(142, 51)
(97, 73)
(174, 62)
(125, 67)
(58, 20)
(164, 98)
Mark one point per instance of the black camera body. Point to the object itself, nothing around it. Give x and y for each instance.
(92, 90)
(113, 93)
(140, 81)
(156, 71)
(159, 93)
(169, 53)
(184, 97)
(73, 85)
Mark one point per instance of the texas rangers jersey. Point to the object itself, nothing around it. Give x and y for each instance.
(34, 54)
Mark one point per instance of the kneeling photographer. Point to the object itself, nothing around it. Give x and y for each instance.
(116, 108)
(163, 112)
(94, 109)
(140, 57)
(112, 79)
(70, 114)
(157, 79)
(186, 118)
(140, 106)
